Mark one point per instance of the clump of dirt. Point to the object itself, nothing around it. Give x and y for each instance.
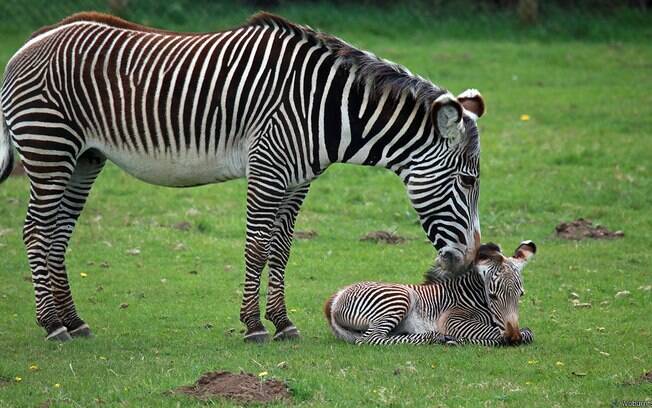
(242, 388)
(386, 237)
(307, 234)
(646, 377)
(182, 226)
(583, 229)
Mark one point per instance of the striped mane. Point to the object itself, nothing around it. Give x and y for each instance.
(384, 76)
(437, 274)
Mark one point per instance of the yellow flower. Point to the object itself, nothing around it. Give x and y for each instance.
(83, 274)
(33, 367)
(102, 358)
(559, 364)
(262, 374)
(18, 379)
(57, 385)
(532, 362)
(528, 383)
(433, 365)
(525, 117)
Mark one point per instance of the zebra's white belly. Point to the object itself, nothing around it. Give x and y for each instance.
(413, 323)
(182, 170)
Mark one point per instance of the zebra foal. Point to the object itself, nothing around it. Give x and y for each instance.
(270, 101)
(479, 306)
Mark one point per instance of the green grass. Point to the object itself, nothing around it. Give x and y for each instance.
(585, 153)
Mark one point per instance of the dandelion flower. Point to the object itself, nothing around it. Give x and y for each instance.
(18, 379)
(83, 274)
(525, 117)
(532, 362)
(559, 364)
(57, 385)
(33, 367)
(262, 374)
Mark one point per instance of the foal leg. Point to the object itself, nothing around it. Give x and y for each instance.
(86, 171)
(471, 331)
(264, 197)
(280, 245)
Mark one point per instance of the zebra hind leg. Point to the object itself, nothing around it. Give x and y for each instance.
(46, 192)
(88, 167)
(378, 336)
(281, 243)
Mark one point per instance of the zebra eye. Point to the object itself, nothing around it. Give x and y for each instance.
(493, 296)
(467, 180)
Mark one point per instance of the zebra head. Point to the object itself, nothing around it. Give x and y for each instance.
(443, 181)
(503, 284)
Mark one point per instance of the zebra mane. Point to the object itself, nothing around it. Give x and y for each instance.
(437, 274)
(384, 76)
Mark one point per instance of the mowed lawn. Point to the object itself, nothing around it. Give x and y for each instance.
(166, 315)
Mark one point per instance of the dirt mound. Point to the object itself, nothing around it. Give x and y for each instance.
(307, 234)
(386, 237)
(242, 388)
(583, 229)
(646, 377)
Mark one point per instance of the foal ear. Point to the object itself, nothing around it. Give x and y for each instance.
(525, 251)
(472, 101)
(447, 116)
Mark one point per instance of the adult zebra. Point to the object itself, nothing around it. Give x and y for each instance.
(271, 101)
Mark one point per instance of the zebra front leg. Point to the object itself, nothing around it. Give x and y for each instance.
(280, 246)
(471, 331)
(86, 171)
(264, 196)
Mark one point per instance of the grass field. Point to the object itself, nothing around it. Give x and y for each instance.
(585, 152)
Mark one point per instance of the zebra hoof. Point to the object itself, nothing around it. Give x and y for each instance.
(82, 331)
(61, 334)
(289, 333)
(256, 337)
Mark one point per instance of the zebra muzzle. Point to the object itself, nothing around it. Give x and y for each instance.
(512, 333)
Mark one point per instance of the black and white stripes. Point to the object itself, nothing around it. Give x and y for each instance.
(477, 307)
(271, 101)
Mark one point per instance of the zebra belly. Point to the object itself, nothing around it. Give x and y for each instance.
(413, 323)
(179, 170)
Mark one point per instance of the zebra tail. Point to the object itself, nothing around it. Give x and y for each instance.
(339, 331)
(6, 151)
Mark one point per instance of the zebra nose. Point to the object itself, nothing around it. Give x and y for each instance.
(512, 333)
(451, 258)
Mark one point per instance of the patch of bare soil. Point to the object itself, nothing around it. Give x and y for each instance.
(386, 237)
(646, 377)
(242, 388)
(583, 229)
(182, 226)
(307, 234)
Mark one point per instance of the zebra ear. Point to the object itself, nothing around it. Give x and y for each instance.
(447, 117)
(525, 251)
(472, 102)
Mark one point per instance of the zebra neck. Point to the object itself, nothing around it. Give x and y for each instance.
(467, 289)
(380, 129)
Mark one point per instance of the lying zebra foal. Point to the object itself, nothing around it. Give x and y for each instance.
(479, 306)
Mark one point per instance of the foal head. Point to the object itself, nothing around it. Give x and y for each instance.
(504, 284)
